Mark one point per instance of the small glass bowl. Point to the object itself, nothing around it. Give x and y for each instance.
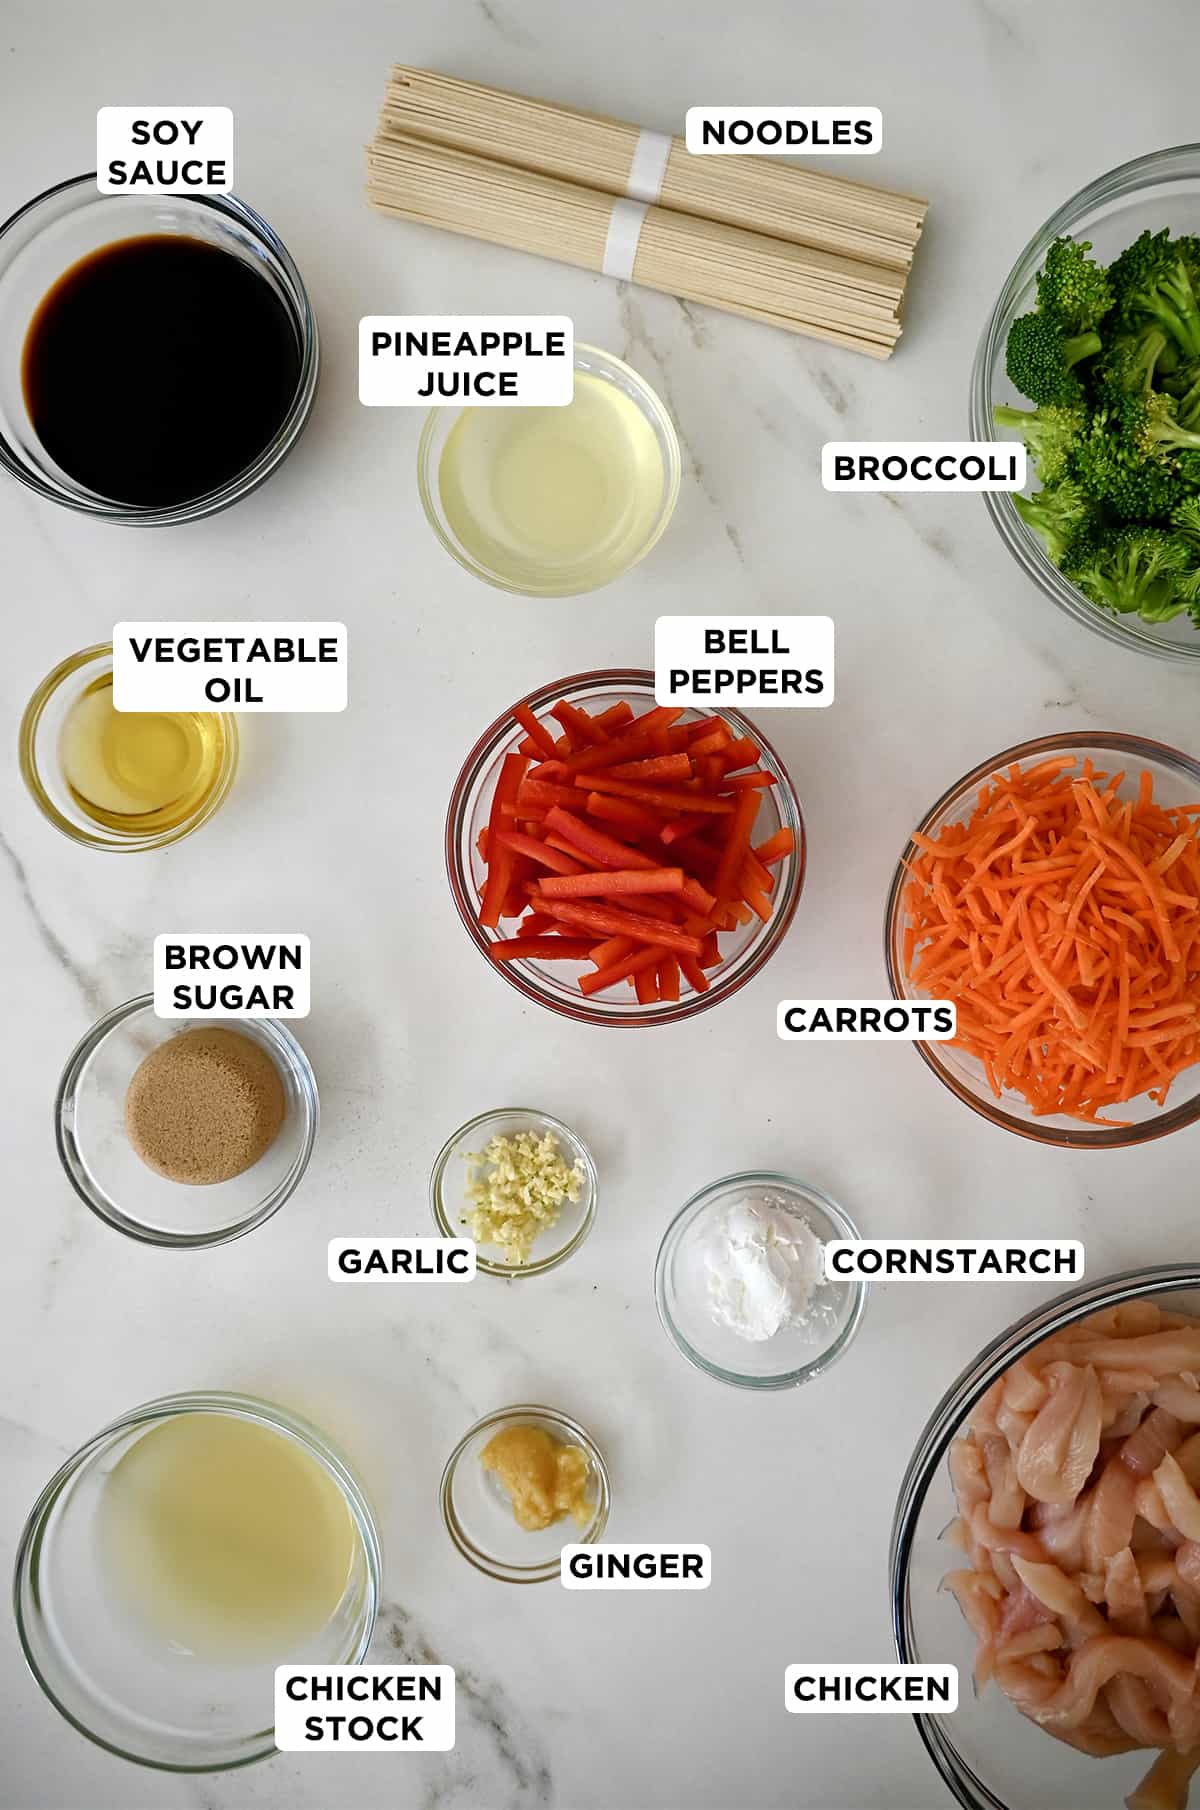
(142, 1698)
(109, 1176)
(68, 222)
(478, 1514)
(447, 1188)
(596, 363)
(1176, 781)
(38, 741)
(989, 1755)
(681, 1289)
(553, 984)
(1162, 189)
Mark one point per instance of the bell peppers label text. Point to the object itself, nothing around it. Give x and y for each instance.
(775, 131)
(968, 465)
(491, 360)
(838, 1020)
(401, 1259)
(762, 661)
(231, 974)
(250, 666)
(164, 150)
(630, 1567)
(954, 1260)
(364, 1708)
(854, 1690)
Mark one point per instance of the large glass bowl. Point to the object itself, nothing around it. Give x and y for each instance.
(1162, 189)
(1176, 782)
(69, 222)
(990, 1756)
(141, 1696)
(553, 984)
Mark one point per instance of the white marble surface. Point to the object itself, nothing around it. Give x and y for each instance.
(568, 1701)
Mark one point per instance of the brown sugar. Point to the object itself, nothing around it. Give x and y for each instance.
(204, 1105)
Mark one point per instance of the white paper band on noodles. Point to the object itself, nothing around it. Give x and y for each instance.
(621, 243)
(649, 166)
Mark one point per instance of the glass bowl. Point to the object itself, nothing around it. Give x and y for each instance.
(109, 1176)
(988, 1754)
(1176, 781)
(789, 1358)
(68, 222)
(447, 1187)
(38, 742)
(479, 1517)
(553, 984)
(565, 582)
(137, 1693)
(1162, 189)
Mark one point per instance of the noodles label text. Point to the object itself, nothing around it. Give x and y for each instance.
(954, 1260)
(775, 131)
(164, 150)
(488, 360)
(364, 1708)
(968, 465)
(759, 660)
(855, 1690)
(231, 974)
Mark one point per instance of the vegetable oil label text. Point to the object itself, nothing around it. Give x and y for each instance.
(164, 150)
(490, 360)
(250, 666)
(364, 1708)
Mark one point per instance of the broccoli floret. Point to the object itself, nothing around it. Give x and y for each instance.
(1187, 411)
(1073, 287)
(1040, 358)
(1061, 515)
(1136, 571)
(1131, 360)
(1151, 281)
(1115, 470)
(1050, 433)
(1186, 520)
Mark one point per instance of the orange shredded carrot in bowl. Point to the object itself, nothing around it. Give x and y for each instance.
(1063, 920)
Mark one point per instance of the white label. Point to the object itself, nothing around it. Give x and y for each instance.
(957, 1260)
(969, 465)
(231, 974)
(243, 666)
(364, 1708)
(164, 150)
(882, 1690)
(762, 661)
(884, 1020)
(652, 1566)
(488, 360)
(401, 1259)
(775, 131)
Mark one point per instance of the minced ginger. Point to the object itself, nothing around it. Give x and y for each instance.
(516, 1190)
(544, 1477)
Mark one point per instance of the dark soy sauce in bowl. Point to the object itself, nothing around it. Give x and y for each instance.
(159, 368)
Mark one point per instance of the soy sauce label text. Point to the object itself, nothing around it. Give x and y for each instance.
(164, 150)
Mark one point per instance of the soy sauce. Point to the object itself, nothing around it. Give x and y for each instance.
(158, 368)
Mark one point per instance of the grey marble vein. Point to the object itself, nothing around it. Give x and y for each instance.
(92, 992)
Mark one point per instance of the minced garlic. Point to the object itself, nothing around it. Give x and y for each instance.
(517, 1189)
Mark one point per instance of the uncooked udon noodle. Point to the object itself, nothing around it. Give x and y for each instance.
(1078, 1512)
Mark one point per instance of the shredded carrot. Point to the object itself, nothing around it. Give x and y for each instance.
(1049, 919)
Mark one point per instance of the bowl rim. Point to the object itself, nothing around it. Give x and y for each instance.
(286, 1049)
(933, 1442)
(859, 1289)
(500, 1569)
(637, 682)
(163, 1408)
(101, 652)
(290, 428)
(1077, 1138)
(575, 1144)
(1171, 163)
(665, 432)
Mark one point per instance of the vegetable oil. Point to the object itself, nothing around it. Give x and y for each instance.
(225, 1538)
(138, 770)
(554, 499)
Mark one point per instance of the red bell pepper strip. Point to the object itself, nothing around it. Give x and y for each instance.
(611, 922)
(540, 948)
(619, 970)
(539, 852)
(500, 868)
(613, 880)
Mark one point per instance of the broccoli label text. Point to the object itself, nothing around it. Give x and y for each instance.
(970, 465)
